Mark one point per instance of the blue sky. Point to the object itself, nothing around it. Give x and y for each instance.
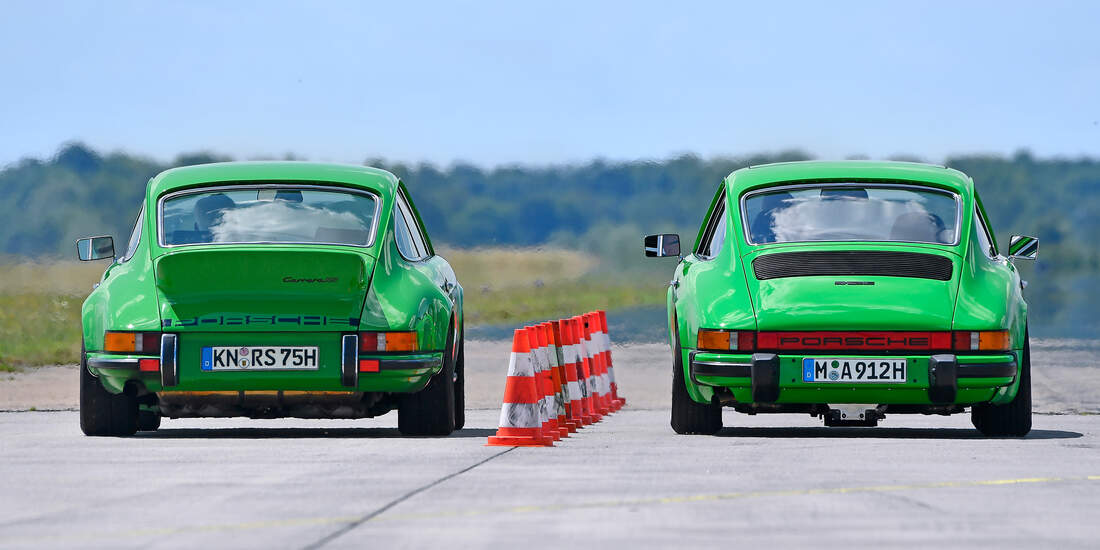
(535, 83)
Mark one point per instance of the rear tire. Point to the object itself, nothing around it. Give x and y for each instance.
(431, 411)
(460, 386)
(689, 417)
(101, 412)
(1012, 419)
(148, 421)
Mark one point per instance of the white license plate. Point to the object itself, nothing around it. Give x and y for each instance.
(853, 369)
(259, 358)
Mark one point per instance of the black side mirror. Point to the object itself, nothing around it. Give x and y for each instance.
(95, 248)
(1023, 247)
(662, 245)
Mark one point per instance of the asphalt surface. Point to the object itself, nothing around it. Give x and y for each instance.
(780, 480)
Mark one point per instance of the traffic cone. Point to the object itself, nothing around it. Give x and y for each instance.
(588, 368)
(592, 334)
(618, 401)
(571, 360)
(595, 345)
(520, 425)
(557, 360)
(547, 411)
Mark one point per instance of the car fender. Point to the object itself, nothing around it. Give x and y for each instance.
(125, 299)
(402, 296)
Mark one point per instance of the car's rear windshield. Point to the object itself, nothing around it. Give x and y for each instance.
(851, 212)
(268, 214)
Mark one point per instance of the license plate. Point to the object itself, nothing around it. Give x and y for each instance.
(853, 369)
(259, 358)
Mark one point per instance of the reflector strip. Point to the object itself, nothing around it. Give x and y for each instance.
(854, 340)
(149, 365)
(368, 365)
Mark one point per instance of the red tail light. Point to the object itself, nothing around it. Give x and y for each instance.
(387, 341)
(131, 342)
(982, 340)
(726, 340)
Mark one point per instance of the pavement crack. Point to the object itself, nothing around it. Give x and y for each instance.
(385, 507)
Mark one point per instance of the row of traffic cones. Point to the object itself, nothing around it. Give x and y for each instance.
(560, 379)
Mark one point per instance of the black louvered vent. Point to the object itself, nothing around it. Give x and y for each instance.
(852, 262)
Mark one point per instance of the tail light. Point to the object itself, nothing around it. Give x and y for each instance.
(131, 342)
(726, 340)
(981, 340)
(388, 341)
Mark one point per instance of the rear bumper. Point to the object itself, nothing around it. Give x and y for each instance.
(931, 379)
(391, 373)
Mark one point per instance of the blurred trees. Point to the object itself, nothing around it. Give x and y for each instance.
(600, 206)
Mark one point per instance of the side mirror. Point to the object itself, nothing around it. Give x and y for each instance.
(95, 248)
(660, 246)
(1025, 248)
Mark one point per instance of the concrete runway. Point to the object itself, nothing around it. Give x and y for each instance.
(778, 480)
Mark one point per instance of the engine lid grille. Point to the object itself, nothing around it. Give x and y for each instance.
(852, 262)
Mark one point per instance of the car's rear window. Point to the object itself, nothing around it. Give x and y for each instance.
(851, 212)
(268, 214)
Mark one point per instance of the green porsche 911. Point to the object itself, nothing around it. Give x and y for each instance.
(848, 290)
(272, 289)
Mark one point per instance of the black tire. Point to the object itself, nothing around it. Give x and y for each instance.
(148, 421)
(1012, 419)
(431, 411)
(689, 417)
(101, 412)
(460, 386)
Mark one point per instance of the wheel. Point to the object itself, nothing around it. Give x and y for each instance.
(460, 386)
(101, 412)
(431, 411)
(148, 421)
(1012, 418)
(689, 417)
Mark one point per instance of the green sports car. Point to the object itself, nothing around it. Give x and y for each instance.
(848, 290)
(272, 289)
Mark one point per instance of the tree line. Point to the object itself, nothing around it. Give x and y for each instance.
(599, 205)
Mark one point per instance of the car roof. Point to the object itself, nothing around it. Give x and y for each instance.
(283, 171)
(766, 175)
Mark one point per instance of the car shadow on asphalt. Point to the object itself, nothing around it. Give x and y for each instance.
(300, 433)
(884, 433)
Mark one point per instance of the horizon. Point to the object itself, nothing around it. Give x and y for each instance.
(497, 84)
(369, 161)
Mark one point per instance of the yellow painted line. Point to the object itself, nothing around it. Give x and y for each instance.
(528, 509)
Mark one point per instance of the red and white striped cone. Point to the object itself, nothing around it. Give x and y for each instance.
(574, 377)
(589, 368)
(557, 410)
(604, 388)
(558, 360)
(547, 410)
(520, 425)
(618, 401)
(600, 359)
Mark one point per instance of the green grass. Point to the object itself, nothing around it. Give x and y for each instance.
(557, 300)
(39, 329)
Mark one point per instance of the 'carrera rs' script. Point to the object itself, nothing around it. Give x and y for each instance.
(289, 279)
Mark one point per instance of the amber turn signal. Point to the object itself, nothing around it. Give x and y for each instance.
(982, 340)
(387, 341)
(726, 340)
(131, 342)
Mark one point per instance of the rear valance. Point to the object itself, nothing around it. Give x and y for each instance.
(852, 262)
